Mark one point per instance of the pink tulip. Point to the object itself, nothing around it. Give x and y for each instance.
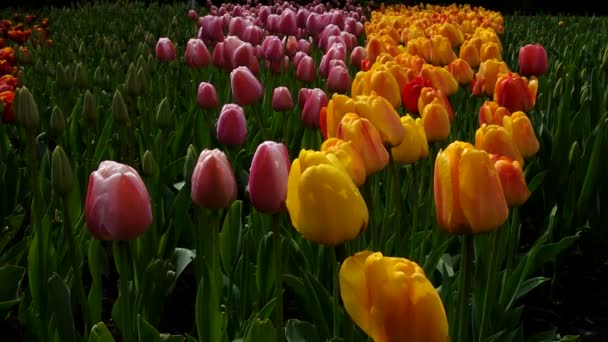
(197, 55)
(213, 181)
(246, 88)
(243, 55)
(236, 26)
(338, 80)
(314, 26)
(217, 56)
(291, 45)
(231, 127)
(263, 14)
(357, 55)
(313, 101)
(306, 71)
(297, 58)
(211, 28)
(252, 34)
(301, 17)
(165, 50)
(273, 48)
(206, 96)
(304, 46)
(117, 203)
(268, 177)
(533, 60)
(281, 99)
(192, 15)
(287, 23)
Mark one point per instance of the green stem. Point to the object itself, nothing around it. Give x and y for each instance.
(489, 285)
(217, 271)
(75, 258)
(397, 193)
(464, 288)
(3, 143)
(278, 269)
(127, 332)
(347, 324)
(368, 197)
(416, 198)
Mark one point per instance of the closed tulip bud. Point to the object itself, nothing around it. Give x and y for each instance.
(164, 119)
(366, 139)
(281, 99)
(391, 299)
(119, 109)
(287, 23)
(89, 107)
(491, 113)
(512, 180)
(383, 116)
(414, 145)
(217, 56)
(349, 157)
(192, 15)
(148, 164)
(246, 88)
(442, 51)
(196, 55)
(27, 109)
(98, 78)
(134, 85)
(338, 80)
(316, 184)
(190, 163)
(470, 51)
(306, 70)
(411, 93)
(429, 95)
(385, 85)
(497, 140)
(436, 121)
(213, 181)
(80, 76)
(231, 127)
(62, 177)
(533, 60)
(165, 51)
(522, 131)
(515, 93)
(206, 96)
(57, 124)
(337, 107)
(467, 190)
(268, 174)
(304, 46)
(117, 203)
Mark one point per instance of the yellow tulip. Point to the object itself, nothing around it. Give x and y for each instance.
(348, 155)
(336, 108)
(366, 139)
(414, 145)
(383, 116)
(496, 139)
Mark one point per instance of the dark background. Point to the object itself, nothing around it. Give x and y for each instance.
(532, 7)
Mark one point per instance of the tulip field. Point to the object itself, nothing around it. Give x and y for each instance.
(283, 171)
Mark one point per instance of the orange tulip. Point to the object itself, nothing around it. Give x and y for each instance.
(460, 70)
(490, 50)
(429, 94)
(414, 145)
(440, 79)
(436, 121)
(348, 156)
(492, 114)
(467, 190)
(366, 139)
(520, 127)
(383, 116)
(470, 51)
(495, 139)
(385, 85)
(515, 93)
(512, 180)
(485, 79)
(442, 53)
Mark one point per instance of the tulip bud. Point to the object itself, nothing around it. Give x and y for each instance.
(515, 93)
(190, 163)
(206, 96)
(338, 80)
(246, 88)
(349, 157)
(80, 76)
(414, 145)
(411, 93)
(281, 99)
(533, 60)
(62, 177)
(231, 127)
(213, 181)
(306, 70)
(57, 124)
(89, 107)
(98, 78)
(148, 164)
(522, 131)
(143, 80)
(117, 203)
(133, 83)
(164, 118)
(27, 109)
(119, 109)
(497, 140)
(268, 174)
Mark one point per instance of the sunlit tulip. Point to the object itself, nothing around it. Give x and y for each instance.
(246, 88)
(281, 99)
(165, 51)
(490, 50)
(206, 96)
(268, 174)
(383, 116)
(291, 45)
(512, 180)
(231, 127)
(429, 95)
(411, 93)
(533, 60)
(452, 32)
(337, 107)
(522, 131)
(306, 70)
(196, 55)
(491, 113)
(338, 80)
(391, 299)
(213, 181)
(349, 156)
(485, 79)
(515, 93)
(442, 51)
(319, 190)
(117, 203)
(414, 145)
(496, 139)
(366, 139)
(467, 190)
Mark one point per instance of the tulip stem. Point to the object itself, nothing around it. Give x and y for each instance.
(415, 211)
(3, 143)
(278, 287)
(489, 285)
(127, 333)
(397, 200)
(340, 255)
(84, 304)
(464, 288)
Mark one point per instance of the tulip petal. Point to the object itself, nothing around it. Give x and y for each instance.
(354, 289)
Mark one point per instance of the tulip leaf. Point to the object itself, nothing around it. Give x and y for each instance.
(264, 274)
(261, 330)
(95, 255)
(230, 237)
(300, 331)
(100, 333)
(209, 319)
(103, 141)
(593, 169)
(61, 308)
(11, 276)
(147, 333)
(529, 285)
(181, 259)
(536, 181)
(156, 283)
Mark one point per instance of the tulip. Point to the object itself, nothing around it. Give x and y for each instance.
(117, 203)
(287, 23)
(165, 51)
(312, 107)
(337, 107)
(436, 121)
(522, 131)
(470, 51)
(338, 80)
(533, 60)
(306, 70)
(357, 55)
(442, 51)
(231, 127)
(486, 77)
(461, 71)
(192, 15)
(291, 45)
(492, 114)
(440, 79)
(366, 139)
(428, 95)
(213, 181)
(414, 145)
(385, 85)
(196, 55)
(512, 180)
(272, 48)
(515, 93)
(411, 93)
(497, 140)
(206, 96)
(348, 155)
(319, 190)
(281, 99)
(304, 46)
(246, 88)
(268, 177)
(217, 56)
(383, 116)
(467, 190)
(7, 98)
(391, 299)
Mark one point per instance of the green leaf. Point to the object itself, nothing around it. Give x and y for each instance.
(61, 308)
(103, 141)
(261, 330)
(11, 276)
(529, 285)
(209, 319)
(548, 335)
(230, 237)
(181, 259)
(537, 181)
(550, 251)
(300, 331)
(592, 174)
(264, 273)
(95, 256)
(100, 333)
(146, 332)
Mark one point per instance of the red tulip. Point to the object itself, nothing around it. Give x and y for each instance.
(357, 55)
(231, 127)
(246, 88)
(313, 103)
(165, 51)
(197, 55)
(192, 15)
(117, 203)
(268, 177)
(411, 93)
(533, 60)
(213, 181)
